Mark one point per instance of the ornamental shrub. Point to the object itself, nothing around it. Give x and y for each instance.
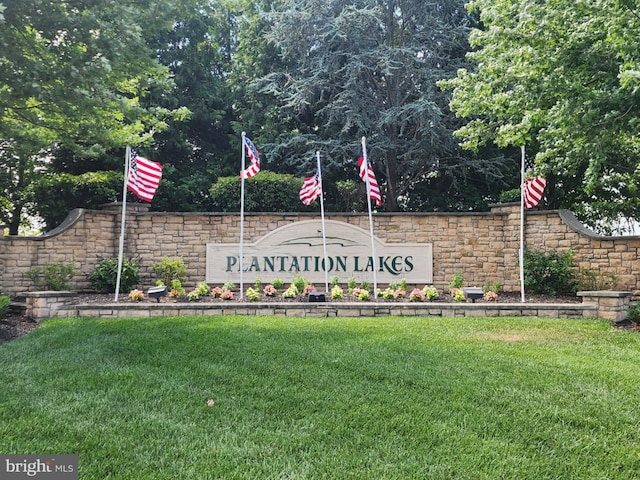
(549, 272)
(170, 269)
(105, 275)
(267, 192)
(55, 276)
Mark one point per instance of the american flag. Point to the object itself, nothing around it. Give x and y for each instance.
(533, 187)
(367, 172)
(144, 177)
(310, 189)
(254, 156)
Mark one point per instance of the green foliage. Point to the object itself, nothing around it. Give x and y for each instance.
(265, 192)
(56, 195)
(574, 107)
(84, 88)
(549, 272)
(456, 281)
(589, 280)
(633, 313)
(252, 294)
(492, 287)
(430, 293)
(55, 276)
(228, 286)
(4, 305)
(201, 290)
(291, 292)
(277, 283)
(300, 282)
(334, 280)
(105, 275)
(170, 269)
(177, 290)
(337, 292)
(367, 80)
(510, 196)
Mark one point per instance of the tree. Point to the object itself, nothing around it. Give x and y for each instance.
(559, 78)
(370, 69)
(72, 74)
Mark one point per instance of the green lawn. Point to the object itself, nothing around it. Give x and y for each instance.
(363, 398)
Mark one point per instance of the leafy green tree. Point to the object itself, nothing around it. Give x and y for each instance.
(370, 69)
(560, 78)
(73, 74)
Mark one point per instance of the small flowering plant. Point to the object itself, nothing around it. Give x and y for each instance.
(416, 295)
(291, 292)
(361, 294)
(216, 292)
(458, 295)
(337, 292)
(252, 294)
(136, 295)
(431, 293)
(490, 296)
(269, 290)
(387, 293)
(226, 295)
(308, 289)
(400, 293)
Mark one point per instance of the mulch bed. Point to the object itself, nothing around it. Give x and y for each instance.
(15, 325)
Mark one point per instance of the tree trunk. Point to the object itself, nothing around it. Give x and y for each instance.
(14, 224)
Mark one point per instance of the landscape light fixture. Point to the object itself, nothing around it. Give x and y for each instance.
(473, 293)
(157, 293)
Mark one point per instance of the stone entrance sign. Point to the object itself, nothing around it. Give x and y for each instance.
(298, 249)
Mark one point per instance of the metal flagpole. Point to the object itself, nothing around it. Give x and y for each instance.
(127, 165)
(373, 247)
(241, 260)
(324, 238)
(521, 252)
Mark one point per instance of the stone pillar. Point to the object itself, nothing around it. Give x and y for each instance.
(610, 305)
(49, 304)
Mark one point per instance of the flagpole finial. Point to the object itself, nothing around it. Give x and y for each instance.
(244, 134)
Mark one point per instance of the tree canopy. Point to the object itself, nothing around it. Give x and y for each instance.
(72, 74)
(180, 79)
(370, 69)
(561, 78)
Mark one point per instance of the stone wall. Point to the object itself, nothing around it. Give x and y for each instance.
(482, 246)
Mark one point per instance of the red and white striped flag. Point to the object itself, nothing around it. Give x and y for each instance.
(367, 172)
(144, 177)
(533, 187)
(310, 189)
(254, 156)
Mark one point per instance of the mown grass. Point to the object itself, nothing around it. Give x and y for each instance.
(383, 398)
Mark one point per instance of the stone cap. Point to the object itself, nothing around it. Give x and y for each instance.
(605, 293)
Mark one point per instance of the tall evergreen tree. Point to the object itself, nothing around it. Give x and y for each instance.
(370, 68)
